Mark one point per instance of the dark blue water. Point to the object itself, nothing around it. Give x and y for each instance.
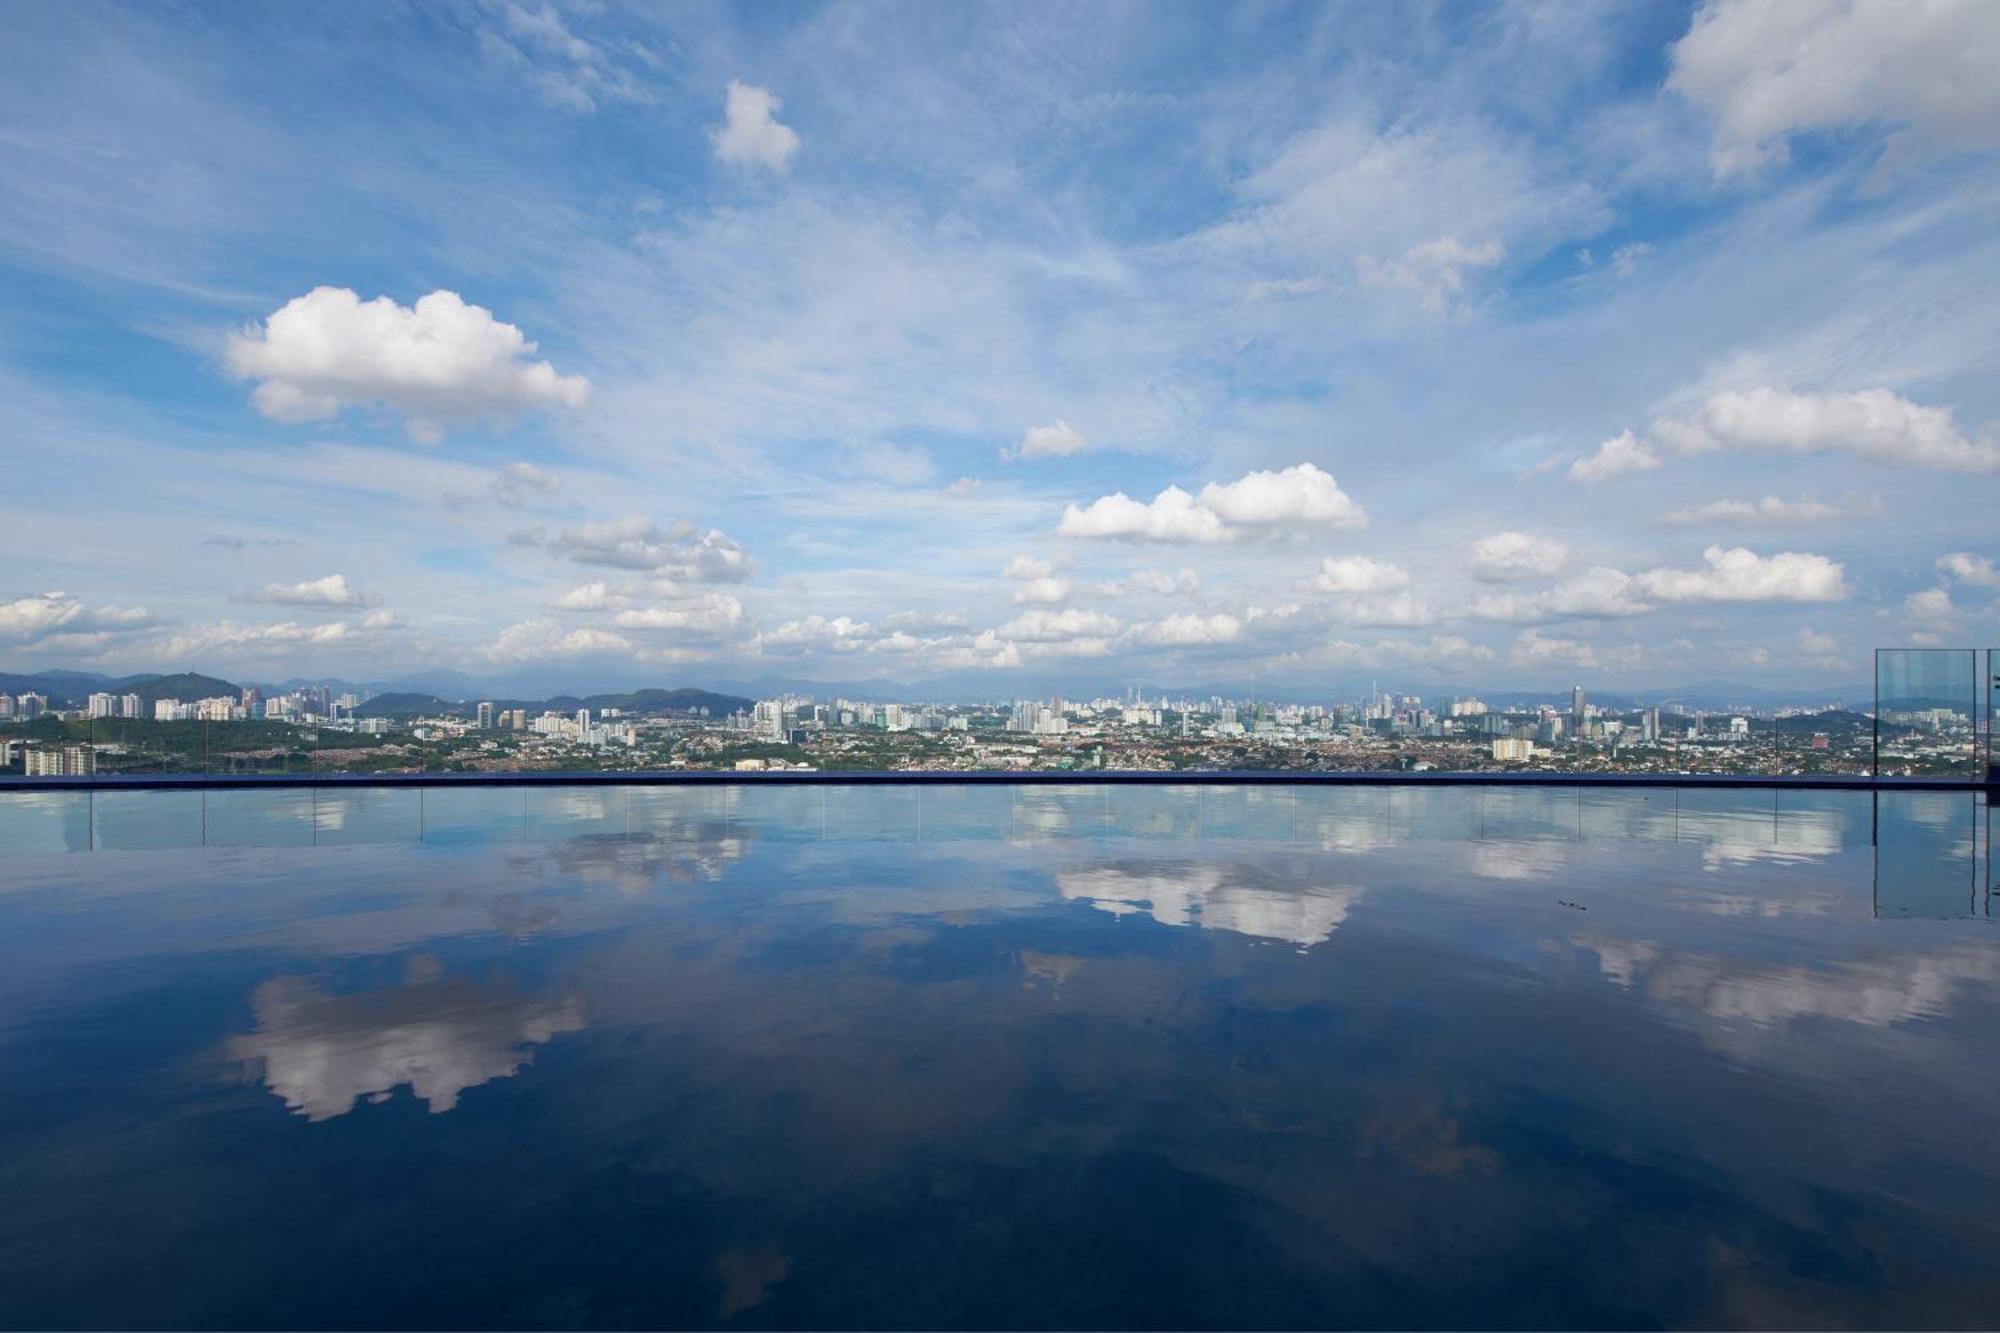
(998, 1058)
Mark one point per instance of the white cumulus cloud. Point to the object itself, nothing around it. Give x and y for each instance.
(533, 640)
(751, 134)
(1507, 556)
(1773, 512)
(1052, 441)
(711, 614)
(1532, 648)
(1597, 594)
(1736, 574)
(333, 590)
(1965, 567)
(436, 363)
(1768, 69)
(1874, 424)
(54, 615)
(1258, 502)
(1727, 574)
(676, 551)
(1038, 581)
(1171, 516)
(1931, 604)
(1297, 495)
(1620, 454)
(1189, 630)
(1359, 574)
(1044, 626)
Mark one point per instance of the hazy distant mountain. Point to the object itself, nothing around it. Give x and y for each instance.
(654, 701)
(409, 703)
(445, 684)
(414, 703)
(186, 686)
(71, 689)
(873, 690)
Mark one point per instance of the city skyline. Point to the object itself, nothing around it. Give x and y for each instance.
(1504, 348)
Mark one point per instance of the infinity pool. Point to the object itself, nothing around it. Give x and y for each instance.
(998, 1057)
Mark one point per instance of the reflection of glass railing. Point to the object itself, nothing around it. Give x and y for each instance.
(1927, 854)
(1926, 842)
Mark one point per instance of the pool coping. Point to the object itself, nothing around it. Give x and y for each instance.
(991, 777)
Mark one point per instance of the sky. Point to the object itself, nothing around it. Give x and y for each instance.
(1272, 345)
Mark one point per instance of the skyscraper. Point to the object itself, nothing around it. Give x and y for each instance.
(486, 715)
(1576, 709)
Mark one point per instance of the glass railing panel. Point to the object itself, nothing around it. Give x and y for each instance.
(1926, 712)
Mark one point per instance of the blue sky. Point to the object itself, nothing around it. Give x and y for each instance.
(1496, 344)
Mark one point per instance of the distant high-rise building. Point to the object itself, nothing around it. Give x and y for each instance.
(131, 705)
(486, 715)
(253, 700)
(65, 761)
(31, 705)
(6, 705)
(1576, 704)
(102, 705)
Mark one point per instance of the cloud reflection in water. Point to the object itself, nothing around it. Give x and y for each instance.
(440, 1035)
